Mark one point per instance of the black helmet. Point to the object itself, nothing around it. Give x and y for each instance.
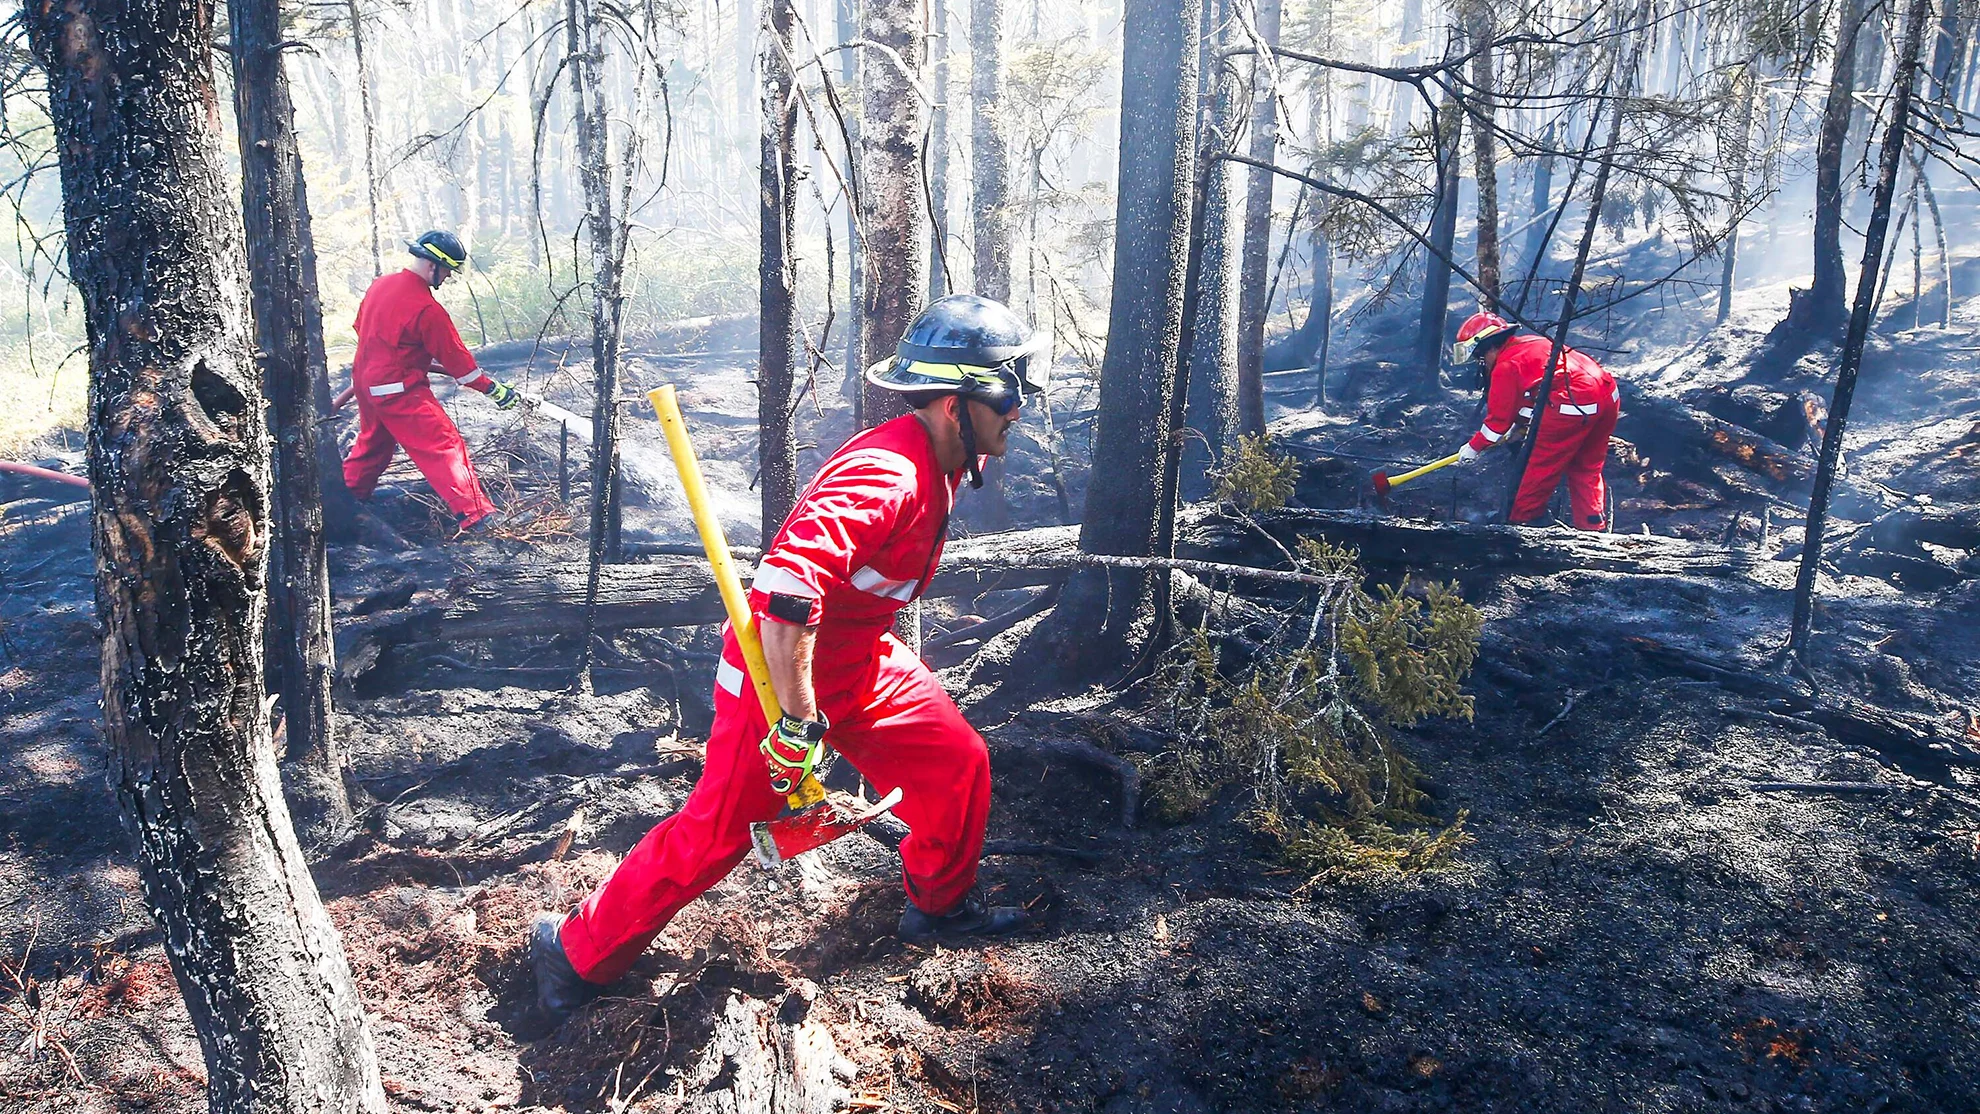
(443, 248)
(966, 345)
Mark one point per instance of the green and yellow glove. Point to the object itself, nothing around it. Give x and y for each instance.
(793, 749)
(504, 396)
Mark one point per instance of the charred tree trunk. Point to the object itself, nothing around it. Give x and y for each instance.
(370, 134)
(1253, 297)
(1747, 89)
(1323, 300)
(1212, 411)
(776, 272)
(989, 150)
(890, 187)
(1108, 616)
(178, 463)
(1892, 155)
(847, 13)
(602, 238)
(1443, 236)
(275, 208)
(938, 152)
(1485, 158)
(1821, 307)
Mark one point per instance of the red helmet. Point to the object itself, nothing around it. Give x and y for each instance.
(1477, 329)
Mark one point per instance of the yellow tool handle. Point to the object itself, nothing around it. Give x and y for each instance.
(727, 582)
(1398, 481)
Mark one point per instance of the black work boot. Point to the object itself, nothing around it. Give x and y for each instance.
(560, 990)
(971, 918)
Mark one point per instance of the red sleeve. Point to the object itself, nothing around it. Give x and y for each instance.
(848, 514)
(443, 343)
(1502, 398)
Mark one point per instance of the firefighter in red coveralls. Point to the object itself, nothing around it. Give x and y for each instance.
(1573, 437)
(404, 333)
(861, 543)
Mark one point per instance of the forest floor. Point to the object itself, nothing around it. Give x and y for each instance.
(1636, 926)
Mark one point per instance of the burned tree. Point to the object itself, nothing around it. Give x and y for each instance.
(1211, 411)
(1109, 615)
(1253, 296)
(1820, 307)
(1896, 136)
(282, 276)
(893, 221)
(1485, 152)
(777, 269)
(989, 178)
(178, 464)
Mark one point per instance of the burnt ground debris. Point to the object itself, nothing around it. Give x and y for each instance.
(1671, 902)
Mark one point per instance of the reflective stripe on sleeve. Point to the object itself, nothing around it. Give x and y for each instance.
(1581, 411)
(1526, 411)
(769, 578)
(1491, 436)
(729, 678)
(384, 389)
(869, 580)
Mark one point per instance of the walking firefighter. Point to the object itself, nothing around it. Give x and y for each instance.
(403, 334)
(861, 543)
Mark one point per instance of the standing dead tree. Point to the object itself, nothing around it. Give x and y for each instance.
(990, 173)
(1896, 136)
(777, 269)
(1106, 618)
(893, 222)
(282, 277)
(1253, 295)
(1211, 412)
(1817, 309)
(178, 462)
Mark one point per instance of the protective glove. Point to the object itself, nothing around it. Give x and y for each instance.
(504, 396)
(1467, 454)
(792, 750)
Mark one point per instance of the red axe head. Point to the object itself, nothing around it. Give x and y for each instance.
(1381, 480)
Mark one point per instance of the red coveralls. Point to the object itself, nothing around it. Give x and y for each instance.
(860, 544)
(402, 332)
(1574, 436)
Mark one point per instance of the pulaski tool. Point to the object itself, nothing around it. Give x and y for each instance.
(1384, 482)
(813, 817)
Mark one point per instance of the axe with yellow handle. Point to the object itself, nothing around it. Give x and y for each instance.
(1384, 482)
(815, 817)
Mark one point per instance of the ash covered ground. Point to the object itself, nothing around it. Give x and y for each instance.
(1640, 925)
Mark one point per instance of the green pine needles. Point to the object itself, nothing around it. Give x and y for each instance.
(1298, 724)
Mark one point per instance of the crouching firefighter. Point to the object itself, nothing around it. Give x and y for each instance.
(403, 333)
(861, 543)
(1573, 432)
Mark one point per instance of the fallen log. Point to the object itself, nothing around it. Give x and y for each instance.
(1446, 547)
(1668, 431)
(669, 591)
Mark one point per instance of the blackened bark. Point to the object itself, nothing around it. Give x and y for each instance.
(1212, 412)
(1323, 301)
(776, 271)
(178, 464)
(938, 151)
(1820, 309)
(847, 14)
(1746, 90)
(581, 30)
(274, 207)
(1485, 156)
(1891, 157)
(1106, 617)
(1543, 187)
(1443, 236)
(1253, 297)
(990, 172)
(370, 133)
(890, 188)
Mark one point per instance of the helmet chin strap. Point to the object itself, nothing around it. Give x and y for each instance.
(968, 441)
